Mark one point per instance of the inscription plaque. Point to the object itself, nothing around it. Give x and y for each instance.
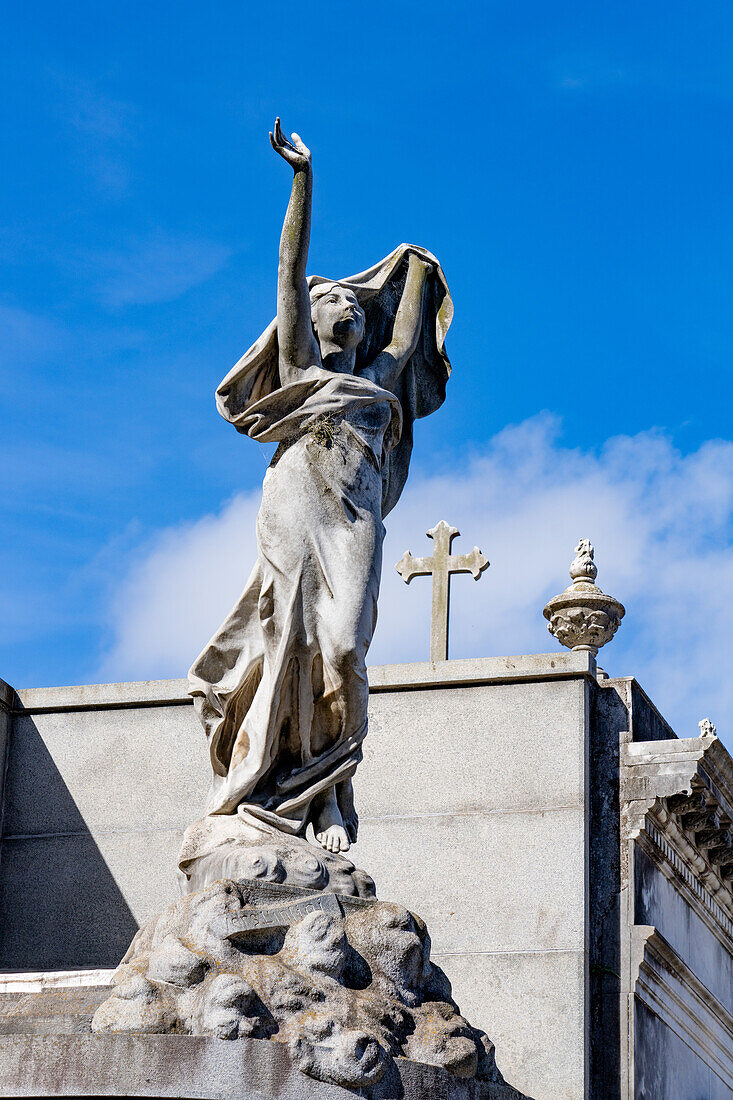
(281, 915)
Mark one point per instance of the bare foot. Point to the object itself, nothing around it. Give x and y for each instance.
(334, 839)
(328, 825)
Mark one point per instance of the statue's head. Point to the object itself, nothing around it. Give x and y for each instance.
(337, 316)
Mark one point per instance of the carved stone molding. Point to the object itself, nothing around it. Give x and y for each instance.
(665, 983)
(677, 799)
(704, 892)
(582, 627)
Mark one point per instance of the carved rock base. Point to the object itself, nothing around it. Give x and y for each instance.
(240, 846)
(346, 984)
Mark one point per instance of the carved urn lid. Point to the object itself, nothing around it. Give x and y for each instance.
(583, 617)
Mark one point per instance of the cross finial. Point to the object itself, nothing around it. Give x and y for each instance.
(441, 564)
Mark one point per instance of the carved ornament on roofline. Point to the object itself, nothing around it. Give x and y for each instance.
(583, 617)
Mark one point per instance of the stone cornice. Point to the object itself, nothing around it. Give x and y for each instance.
(524, 668)
(677, 800)
(663, 769)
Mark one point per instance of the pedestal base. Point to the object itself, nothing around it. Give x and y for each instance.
(186, 1066)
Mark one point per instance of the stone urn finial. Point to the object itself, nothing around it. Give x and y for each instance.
(583, 617)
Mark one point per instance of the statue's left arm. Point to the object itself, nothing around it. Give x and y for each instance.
(388, 365)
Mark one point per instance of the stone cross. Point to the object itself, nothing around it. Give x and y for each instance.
(441, 564)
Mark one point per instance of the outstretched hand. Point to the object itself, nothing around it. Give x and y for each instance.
(294, 152)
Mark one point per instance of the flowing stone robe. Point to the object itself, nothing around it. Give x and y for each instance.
(281, 689)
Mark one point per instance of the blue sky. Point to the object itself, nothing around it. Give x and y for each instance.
(569, 164)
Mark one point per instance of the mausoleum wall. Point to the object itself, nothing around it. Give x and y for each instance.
(472, 796)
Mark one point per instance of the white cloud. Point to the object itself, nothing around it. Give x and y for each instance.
(662, 524)
(101, 129)
(178, 589)
(156, 269)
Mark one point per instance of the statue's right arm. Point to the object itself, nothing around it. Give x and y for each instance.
(298, 348)
(385, 370)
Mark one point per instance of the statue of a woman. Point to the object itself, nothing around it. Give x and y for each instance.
(337, 381)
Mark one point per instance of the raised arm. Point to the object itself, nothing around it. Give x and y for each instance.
(388, 365)
(298, 347)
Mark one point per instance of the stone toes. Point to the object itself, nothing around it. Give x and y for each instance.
(334, 839)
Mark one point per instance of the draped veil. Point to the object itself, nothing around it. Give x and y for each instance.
(420, 389)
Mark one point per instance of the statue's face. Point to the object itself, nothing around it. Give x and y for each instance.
(338, 318)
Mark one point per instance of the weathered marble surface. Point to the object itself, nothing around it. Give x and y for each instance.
(336, 381)
(239, 846)
(347, 984)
